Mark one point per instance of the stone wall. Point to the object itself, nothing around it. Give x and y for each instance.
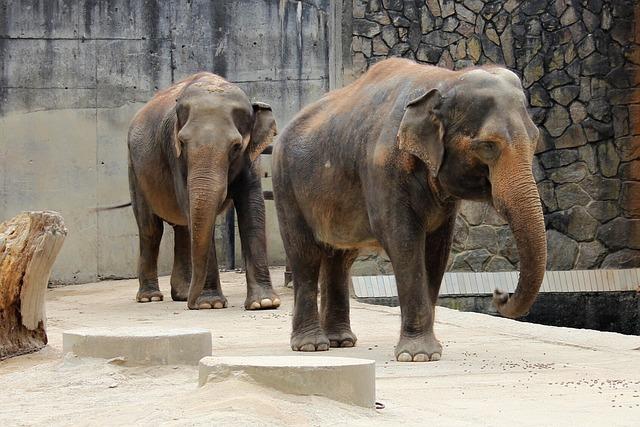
(580, 65)
(74, 72)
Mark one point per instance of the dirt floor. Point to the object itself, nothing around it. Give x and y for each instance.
(493, 371)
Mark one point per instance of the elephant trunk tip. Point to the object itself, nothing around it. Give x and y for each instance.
(506, 306)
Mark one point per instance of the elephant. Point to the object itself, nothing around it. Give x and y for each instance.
(193, 152)
(383, 163)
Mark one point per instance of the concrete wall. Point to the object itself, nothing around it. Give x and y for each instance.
(73, 73)
(580, 65)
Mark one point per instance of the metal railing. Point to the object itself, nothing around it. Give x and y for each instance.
(483, 283)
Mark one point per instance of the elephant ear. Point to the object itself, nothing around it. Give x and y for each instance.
(421, 131)
(263, 131)
(177, 145)
(180, 121)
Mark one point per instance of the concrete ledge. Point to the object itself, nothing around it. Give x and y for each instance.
(140, 345)
(344, 379)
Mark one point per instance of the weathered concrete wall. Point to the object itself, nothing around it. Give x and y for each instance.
(74, 72)
(580, 65)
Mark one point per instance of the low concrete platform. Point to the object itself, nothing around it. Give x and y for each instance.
(345, 379)
(144, 345)
(493, 371)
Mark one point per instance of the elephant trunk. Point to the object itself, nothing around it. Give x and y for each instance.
(516, 197)
(207, 189)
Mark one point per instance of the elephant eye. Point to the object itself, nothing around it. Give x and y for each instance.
(235, 148)
(486, 150)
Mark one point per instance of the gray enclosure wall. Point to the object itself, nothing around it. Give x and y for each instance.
(73, 73)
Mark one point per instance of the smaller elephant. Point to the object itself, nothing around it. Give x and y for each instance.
(193, 151)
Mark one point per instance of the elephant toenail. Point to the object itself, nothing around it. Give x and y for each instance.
(308, 347)
(218, 304)
(266, 303)
(420, 357)
(323, 347)
(435, 357)
(254, 305)
(346, 343)
(144, 299)
(156, 299)
(204, 305)
(404, 357)
(276, 302)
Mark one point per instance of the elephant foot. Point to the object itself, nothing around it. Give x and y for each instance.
(422, 348)
(209, 299)
(180, 283)
(149, 295)
(179, 294)
(311, 340)
(341, 337)
(259, 298)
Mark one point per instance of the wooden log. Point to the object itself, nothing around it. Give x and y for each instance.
(29, 244)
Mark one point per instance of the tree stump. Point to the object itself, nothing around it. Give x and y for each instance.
(29, 244)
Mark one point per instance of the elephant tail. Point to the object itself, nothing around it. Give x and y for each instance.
(110, 208)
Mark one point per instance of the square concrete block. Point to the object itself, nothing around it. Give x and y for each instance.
(345, 379)
(140, 345)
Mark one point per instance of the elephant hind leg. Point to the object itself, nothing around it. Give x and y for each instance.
(307, 334)
(305, 256)
(150, 228)
(334, 283)
(181, 271)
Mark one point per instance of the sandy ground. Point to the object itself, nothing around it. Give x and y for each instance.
(493, 371)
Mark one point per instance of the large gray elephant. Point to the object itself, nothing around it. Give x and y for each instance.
(383, 163)
(194, 149)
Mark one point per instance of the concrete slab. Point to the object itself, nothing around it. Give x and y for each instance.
(346, 379)
(140, 345)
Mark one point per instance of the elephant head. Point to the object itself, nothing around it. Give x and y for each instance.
(478, 142)
(217, 132)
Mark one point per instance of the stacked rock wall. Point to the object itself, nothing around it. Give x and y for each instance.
(579, 61)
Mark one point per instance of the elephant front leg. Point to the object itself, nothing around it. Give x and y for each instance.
(405, 248)
(205, 291)
(249, 205)
(437, 248)
(181, 271)
(212, 296)
(417, 342)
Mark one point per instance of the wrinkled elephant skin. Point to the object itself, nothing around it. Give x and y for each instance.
(383, 163)
(193, 152)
